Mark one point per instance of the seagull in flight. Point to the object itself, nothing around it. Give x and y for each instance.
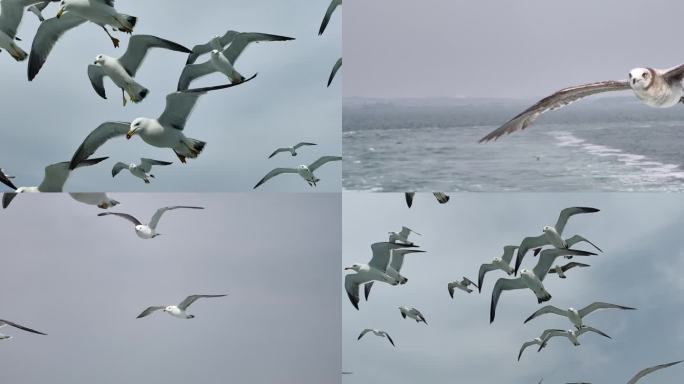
(178, 311)
(147, 231)
(305, 171)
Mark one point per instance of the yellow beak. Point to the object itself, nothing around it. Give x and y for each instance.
(130, 134)
(60, 12)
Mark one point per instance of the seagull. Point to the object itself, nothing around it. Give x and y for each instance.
(336, 68)
(55, 177)
(462, 285)
(7, 179)
(502, 263)
(536, 341)
(11, 13)
(326, 19)
(163, 132)
(402, 235)
(441, 197)
(222, 60)
(177, 311)
(374, 270)
(654, 87)
(306, 172)
(148, 231)
(412, 313)
(292, 149)
(377, 333)
(37, 8)
(393, 268)
(141, 170)
(4, 323)
(645, 372)
(561, 270)
(71, 14)
(532, 279)
(101, 200)
(574, 315)
(122, 70)
(571, 334)
(552, 235)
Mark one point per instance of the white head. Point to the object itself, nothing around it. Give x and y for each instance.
(137, 125)
(169, 308)
(548, 228)
(640, 78)
(353, 267)
(302, 167)
(99, 59)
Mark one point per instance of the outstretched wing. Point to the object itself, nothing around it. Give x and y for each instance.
(191, 299)
(351, 286)
(118, 167)
(11, 13)
(398, 257)
(5, 179)
(527, 244)
(201, 49)
(274, 173)
(441, 197)
(325, 159)
(7, 198)
(335, 68)
(570, 265)
(525, 345)
(409, 198)
(646, 371)
(567, 213)
(509, 250)
(242, 40)
(122, 215)
(548, 256)
(503, 284)
(48, 33)
(146, 164)
(277, 151)
(544, 310)
(157, 215)
(138, 46)
(586, 329)
(96, 75)
(326, 19)
(302, 144)
(15, 325)
(363, 333)
(555, 101)
(484, 268)
(97, 138)
(57, 174)
(578, 239)
(192, 72)
(148, 311)
(600, 305)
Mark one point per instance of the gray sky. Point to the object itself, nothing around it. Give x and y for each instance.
(83, 279)
(528, 48)
(287, 103)
(640, 236)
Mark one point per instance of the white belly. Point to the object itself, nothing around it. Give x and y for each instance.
(309, 176)
(144, 232)
(162, 137)
(118, 74)
(662, 97)
(555, 239)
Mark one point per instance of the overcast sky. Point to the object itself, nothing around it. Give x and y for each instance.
(83, 279)
(641, 239)
(520, 49)
(46, 120)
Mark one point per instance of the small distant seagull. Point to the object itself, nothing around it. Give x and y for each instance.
(222, 60)
(441, 197)
(326, 19)
(402, 235)
(347, 373)
(393, 268)
(645, 372)
(177, 311)
(552, 235)
(306, 172)
(142, 170)
(654, 87)
(503, 263)
(574, 315)
(462, 285)
(336, 68)
(561, 270)
(292, 149)
(536, 341)
(101, 200)
(122, 70)
(7, 179)
(571, 334)
(377, 332)
(4, 323)
(148, 231)
(412, 313)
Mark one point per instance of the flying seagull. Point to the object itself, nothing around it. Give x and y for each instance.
(71, 14)
(306, 172)
(395, 264)
(122, 70)
(336, 68)
(4, 323)
(571, 334)
(141, 171)
(462, 285)
(163, 132)
(147, 231)
(101, 200)
(532, 279)
(552, 235)
(7, 179)
(11, 13)
(402, 235)
(412, 313)
(645, 372)
(654, 87)
(177, 311)
(55, 177)
(536, 341)
(560, 270)
(376, 332)
(326, 19)
(292, 149)
(223, 60)
(441, 197)
(502, 263)
(574, 315)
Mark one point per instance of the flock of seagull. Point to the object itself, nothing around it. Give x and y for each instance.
(168, 129)
(549, 247)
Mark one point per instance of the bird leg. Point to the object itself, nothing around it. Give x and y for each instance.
(123, 94)
(131, 94)
(115, 41)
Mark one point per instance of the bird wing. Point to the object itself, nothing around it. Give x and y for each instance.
(96, 75)
(324, 159)
(508, 253)
(367, 289)
(192, 298)
(544, 310)
(351, 285)
(15, 325)
(646, 371)
(201, 49)
(674, 75)
(146, 164)
(409, 198)
(242, 40)
(555, 101)
(527, 244)
(441, 197)
(303, 143)
(578, 239)
(126, 216)
(525, 345)
(148, 311)
(586, 329)
(5, 179)
(381, 255)
(57, 174)
(567, 213)
(484, 268)
(397, 260)
(335, 68)
(571, 265)
(406, 231)
(138, 46)
(97, 138)
(274, 173)
(548, 256)
(11, 13)
(158, 214)
(503, 284)
(419, 315)
(600, 305)
(118, 167)
(47, 35)
(192, 72)
(326, 19)
(363, 333)
(468, 281)
(278, 151)
(388, 338)
(7, 198)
